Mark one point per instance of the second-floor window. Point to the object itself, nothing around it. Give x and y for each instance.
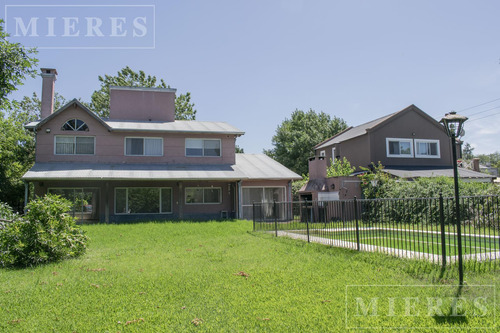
(399, 147)
(74, 145)
(144, 146)
(427, 148)
(203, 147)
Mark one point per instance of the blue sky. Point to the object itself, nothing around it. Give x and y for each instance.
(252, 63)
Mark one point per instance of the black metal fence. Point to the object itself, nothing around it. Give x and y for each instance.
(421, 228)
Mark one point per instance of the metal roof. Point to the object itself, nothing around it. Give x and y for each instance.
(436, 172)
(178, 126)
(247, 167)
(260, 166)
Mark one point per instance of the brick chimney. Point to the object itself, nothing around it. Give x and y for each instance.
(475, 165)
(317, 167)
(48, 81)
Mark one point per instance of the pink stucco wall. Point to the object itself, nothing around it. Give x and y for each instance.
(110, 145)
(141, 104)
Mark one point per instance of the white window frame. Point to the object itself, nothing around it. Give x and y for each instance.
(74, 142)
(333, 155)
(78, 129)
(160, 205)
(322, 153)
(410, 141)
(143, 145)
(203, 149)
(203, 203)
(417, 155)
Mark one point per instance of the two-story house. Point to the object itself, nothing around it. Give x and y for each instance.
(141, 163)
(408, 143)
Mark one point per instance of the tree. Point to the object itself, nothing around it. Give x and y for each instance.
(239, 150)
(184, 109)
(32, 105)
(340, 168)
(468, 151)
(17, 153)
(296, 137)
(16, 63)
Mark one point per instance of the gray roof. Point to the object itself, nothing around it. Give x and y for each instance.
(247, 167)
(436, 172)
(178, 126)
(354, 132)
(260, 166)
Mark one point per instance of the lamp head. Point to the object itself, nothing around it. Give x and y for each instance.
(453, 124)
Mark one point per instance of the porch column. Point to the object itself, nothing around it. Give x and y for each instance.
(26, 194)
(240, 208)
(106, 202)
(180, 200)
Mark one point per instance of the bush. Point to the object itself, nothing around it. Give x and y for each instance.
(45, 234)
(413, 207)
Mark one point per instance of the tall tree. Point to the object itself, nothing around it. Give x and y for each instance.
(16, 63)
(184, 109)
(295, 138)
(468, 151)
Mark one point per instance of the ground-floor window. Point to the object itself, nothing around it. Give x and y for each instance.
(203, 195)
(260, 194)
(143, 200)
(84, 201)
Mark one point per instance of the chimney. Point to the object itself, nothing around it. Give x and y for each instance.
(48, 80)
(317, 167)
(475, 165)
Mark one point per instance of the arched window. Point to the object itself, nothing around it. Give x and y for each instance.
(75, 125)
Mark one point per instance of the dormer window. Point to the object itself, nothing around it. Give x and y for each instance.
(75, 125)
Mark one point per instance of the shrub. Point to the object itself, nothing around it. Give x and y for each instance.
(45, 234)
(477, 211)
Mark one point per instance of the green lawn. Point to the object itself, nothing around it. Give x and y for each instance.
(220, 276)
(412, 240)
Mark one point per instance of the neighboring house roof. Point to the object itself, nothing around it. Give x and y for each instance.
(415, 172)
(178, 126)
(247, 167)
(354, 132)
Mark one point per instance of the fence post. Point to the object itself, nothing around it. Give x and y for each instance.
(275, 218)
(443, 233)
(357, 223)
(253, 215)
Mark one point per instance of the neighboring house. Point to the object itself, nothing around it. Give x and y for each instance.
(141, 163)
(408, 143)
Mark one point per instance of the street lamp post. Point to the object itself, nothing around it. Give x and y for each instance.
(453, 124)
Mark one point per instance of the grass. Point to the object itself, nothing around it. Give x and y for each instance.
(424, 238)
(172, 277)
(412, 240)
